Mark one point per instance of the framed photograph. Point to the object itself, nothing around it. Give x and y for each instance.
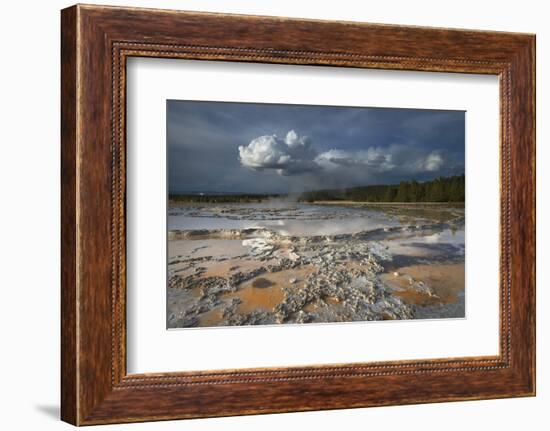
(264, 215)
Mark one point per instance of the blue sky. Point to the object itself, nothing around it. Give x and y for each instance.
(272, 148)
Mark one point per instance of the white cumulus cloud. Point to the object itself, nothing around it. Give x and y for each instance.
(404, 159)
(295, 155)
(375, 159)
(292, 155)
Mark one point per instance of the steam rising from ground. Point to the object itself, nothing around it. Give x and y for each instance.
(296, 155)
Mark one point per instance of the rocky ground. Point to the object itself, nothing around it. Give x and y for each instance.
(251, 276)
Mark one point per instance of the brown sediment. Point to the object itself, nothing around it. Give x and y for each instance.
(310, 307)
(416, 298)
(445, 281)
(271, 292)
(254, 298)
(331, 300)
(226, 267)
(211, 317)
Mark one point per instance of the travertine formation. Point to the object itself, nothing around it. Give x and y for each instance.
(273, 278)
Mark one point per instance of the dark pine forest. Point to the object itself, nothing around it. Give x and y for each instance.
(443, 189)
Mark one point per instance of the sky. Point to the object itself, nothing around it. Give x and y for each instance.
(223, 147)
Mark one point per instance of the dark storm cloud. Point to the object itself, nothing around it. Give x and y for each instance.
(240, 147)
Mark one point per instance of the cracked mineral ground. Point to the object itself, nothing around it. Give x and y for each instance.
(280, 262)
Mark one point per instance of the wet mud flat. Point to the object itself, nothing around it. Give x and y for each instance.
(295, 263)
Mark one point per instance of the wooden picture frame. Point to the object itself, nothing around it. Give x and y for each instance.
(95, 43)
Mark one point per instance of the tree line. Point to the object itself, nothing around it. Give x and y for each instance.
(442, 189)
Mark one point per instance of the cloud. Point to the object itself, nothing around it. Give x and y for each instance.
(404, 159)
(296, 155)
(434, 161)
(375, 159)
(290, 156)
